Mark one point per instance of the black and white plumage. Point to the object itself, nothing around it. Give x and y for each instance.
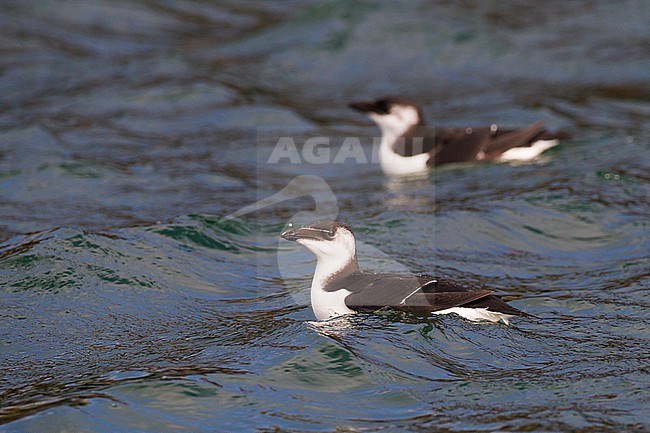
(408, 146)
(339, 287)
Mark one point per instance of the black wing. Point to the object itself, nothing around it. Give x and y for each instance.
(444, 144)
(459, 144)
(505, 139)
(421, 293)
(464, 144)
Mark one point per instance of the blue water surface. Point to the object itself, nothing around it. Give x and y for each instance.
(131, 301)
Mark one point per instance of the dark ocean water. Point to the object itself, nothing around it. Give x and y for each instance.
(130, 131)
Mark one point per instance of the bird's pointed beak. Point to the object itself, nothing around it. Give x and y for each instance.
(290, 235)
(304, 233)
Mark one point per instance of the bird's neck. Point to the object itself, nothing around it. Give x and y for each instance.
(392, 162)
(331, 268)
(391, 133)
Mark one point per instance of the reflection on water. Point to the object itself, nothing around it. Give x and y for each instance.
(129, 130)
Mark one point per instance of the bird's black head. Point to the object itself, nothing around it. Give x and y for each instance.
(393, 115)
(331, 241)
(379, 106)
(318, 230)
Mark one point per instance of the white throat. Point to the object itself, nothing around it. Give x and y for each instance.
(398, 121)
(326, 268)
(393, 126)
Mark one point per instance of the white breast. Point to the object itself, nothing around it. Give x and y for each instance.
(394, 164)
(328, 304)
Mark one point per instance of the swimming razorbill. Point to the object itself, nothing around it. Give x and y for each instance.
(339, 287)
(408, 146)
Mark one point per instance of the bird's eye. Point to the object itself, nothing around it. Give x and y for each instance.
(329, 235)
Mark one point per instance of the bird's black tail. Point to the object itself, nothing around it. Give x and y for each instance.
(496, 304)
